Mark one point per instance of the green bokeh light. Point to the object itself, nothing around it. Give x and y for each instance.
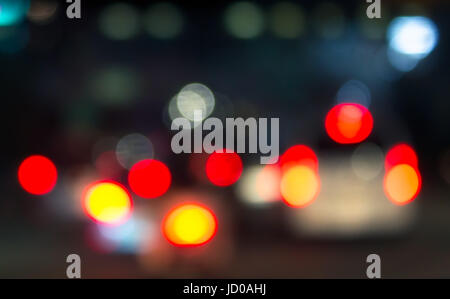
(119, 21)
(287, 20)
(114, 86)
(164, 21)
(244, 20)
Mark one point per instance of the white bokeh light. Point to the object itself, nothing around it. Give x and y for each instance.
(194, 97)
(133, 148)
(367, 161)
(415, 35)
(259, 185)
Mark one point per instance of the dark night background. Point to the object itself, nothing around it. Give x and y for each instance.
(52, 105)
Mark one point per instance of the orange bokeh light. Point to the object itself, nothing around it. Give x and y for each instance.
(402, 184)
(349, 123)
(401, 154)
(37, 175)
(189, 224)
(299, 182)
(299, 186)
(107, 202)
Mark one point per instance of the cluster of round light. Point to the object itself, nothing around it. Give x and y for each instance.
(294, 178)
(402, 181)
(297, 172)
(300, 182)
(108, 202)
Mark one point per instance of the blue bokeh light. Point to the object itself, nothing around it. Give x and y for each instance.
(402, 62)
(127, 237)
(13, 11)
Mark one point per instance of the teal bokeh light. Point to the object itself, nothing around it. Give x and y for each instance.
(13, 11)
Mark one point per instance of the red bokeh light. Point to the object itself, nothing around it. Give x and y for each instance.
(401, 154)
(402, 181)
(299, 155)
(37, 175)
(349, 123)
(223, 169)
(149, 178)
(300, 180)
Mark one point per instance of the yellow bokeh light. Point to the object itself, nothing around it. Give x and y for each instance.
(402, 184)
(107, 202)
(299, 186)
(190, 224)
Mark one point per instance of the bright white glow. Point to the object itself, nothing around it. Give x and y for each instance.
(415, 36)
(195, 97)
